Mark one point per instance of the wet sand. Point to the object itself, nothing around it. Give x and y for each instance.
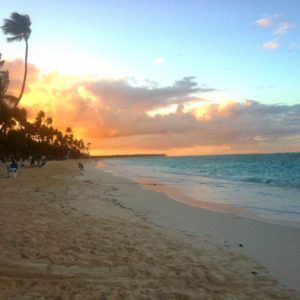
(71, 234)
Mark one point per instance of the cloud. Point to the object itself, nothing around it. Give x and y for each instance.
(283, 28)
(279, 28)
(265, 22)
(234, 127)
(113, 116)
(270, 45)
(16, 73)
(121, 95)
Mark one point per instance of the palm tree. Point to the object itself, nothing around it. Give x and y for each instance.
(4, 81)
(6, 101)
(18, 26)
(49, 121)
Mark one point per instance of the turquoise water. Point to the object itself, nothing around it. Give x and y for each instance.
(266, 184)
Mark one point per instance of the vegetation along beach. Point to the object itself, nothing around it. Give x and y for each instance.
(149, 150)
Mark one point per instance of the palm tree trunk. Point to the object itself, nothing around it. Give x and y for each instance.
(1, 112)
(25, 75)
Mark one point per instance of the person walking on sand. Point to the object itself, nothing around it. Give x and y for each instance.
(32, 162)
(12, 168)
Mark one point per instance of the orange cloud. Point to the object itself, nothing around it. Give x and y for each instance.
(271, 45)
(266, 22)
(16, 73)
(114, 116)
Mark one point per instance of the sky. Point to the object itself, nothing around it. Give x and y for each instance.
(177, 77)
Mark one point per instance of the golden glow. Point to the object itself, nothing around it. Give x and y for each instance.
(171, 109)
(201, 111)
(200, 150)
(197, 150)
(68, 61)
(85, 94)
(113, 117)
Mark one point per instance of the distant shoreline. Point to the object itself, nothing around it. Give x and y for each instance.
(128, 155)
(204, 155)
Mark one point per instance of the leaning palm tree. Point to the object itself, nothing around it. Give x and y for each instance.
(18, 26)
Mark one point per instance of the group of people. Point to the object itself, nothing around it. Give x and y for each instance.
(13, 167)
(37, 163)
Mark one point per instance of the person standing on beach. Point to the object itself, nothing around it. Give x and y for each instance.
(32, 162)
(12, 168)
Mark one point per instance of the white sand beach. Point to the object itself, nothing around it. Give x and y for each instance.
(71, 234)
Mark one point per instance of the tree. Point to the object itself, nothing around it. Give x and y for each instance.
(49, 121)
(20, 138)
(3, 88)
(18, 26)
(6, 101)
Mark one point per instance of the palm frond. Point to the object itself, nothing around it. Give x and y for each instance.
(18, 25)
(11, 27)
(4, 75)
(21, 19)
(15, 38)
(4, 81)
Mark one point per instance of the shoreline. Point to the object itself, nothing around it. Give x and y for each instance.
(88, 234)
(181, 195)
(273, 244)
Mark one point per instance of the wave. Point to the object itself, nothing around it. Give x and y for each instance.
(266, 184)
(280, 170)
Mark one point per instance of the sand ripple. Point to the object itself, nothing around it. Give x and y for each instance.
(66, 238)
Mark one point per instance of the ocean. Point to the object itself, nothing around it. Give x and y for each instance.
(267, 185)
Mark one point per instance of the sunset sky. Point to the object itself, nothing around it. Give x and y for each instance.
(177, 77)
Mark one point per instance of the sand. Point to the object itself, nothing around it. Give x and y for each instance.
(71, 234)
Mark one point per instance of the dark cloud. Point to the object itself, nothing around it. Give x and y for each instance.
(121, 95)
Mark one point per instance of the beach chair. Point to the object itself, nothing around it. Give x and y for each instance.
(42, 164)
